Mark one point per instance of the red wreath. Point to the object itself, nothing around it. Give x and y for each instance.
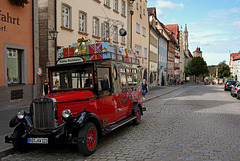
(19, 3)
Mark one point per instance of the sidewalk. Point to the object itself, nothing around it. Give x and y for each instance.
(6, 149)
(160, 91)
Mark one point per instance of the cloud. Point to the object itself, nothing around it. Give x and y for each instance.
(222, 15)
(235, 9)
(236, 23)
(168, 4)
(163, 4)
(213, 58)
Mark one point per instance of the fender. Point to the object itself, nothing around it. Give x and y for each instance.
(83, 117)
(15, 121)
(134, 108)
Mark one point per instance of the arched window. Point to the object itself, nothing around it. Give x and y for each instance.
(151, 78)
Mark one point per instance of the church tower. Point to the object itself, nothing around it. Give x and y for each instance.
(182, 55)
(185, 35)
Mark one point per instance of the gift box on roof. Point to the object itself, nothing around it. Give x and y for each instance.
(101, 50)
(116, 51)
(60, 53)
(94, 51)
(81, 48)
(120, 55)
(108, 50)
(125, 56)
(68, 51)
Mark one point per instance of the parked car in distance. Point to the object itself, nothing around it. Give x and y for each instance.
(235, 89)
(228, 85)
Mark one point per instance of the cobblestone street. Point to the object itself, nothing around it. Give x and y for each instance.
(193, 123)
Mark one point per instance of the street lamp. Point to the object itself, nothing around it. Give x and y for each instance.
(53, 34)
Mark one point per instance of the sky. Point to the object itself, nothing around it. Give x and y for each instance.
(213, 25)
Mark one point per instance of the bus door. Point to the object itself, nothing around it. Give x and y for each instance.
(106, 105)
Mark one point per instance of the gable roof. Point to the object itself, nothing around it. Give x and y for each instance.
(152, 11)
(198, 50)
(190, 54)
(237, 56)
(174, 29)
(234, 54)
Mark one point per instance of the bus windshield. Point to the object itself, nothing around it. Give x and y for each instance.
(75, 78)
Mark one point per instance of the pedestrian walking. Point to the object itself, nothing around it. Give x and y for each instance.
(145, 89)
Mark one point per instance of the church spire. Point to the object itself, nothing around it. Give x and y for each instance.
(185, 35)
(185, 30)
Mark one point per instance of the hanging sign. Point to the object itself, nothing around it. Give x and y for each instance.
(70, 60)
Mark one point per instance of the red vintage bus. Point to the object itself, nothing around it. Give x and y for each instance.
(88, 99)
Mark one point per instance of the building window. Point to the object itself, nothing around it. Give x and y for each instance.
(115, 5)
(95, 27)
(66, 16)
(138, 28)
(115, 33)
(144, 11)
(105, 30)
(145, 52)
(107, 2)
(144, 31)
(123, 40)
(123, 8)
(14, 64)
(137, 6)
(138, 50)
(82, 22)
(140, 11)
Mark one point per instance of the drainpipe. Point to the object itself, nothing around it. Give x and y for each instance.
(55, 26)
(33, 48)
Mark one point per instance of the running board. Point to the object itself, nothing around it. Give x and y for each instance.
(121, 122)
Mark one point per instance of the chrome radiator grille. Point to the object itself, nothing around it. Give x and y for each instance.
(43, 113)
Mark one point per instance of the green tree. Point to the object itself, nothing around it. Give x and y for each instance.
(223, 69)
(197, 66)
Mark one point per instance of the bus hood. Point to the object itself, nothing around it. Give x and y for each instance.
(71, 96)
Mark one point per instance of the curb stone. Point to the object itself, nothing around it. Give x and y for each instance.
(5, 152)
(149, 99)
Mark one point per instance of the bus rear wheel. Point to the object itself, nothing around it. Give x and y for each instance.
(137, 120)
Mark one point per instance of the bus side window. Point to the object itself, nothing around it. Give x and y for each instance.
(103, 78)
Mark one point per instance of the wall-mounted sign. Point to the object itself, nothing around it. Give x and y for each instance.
(7, 18)
(70, 60)
(39, 71)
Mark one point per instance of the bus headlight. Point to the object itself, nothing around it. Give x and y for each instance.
(21, 114)
(66, 113)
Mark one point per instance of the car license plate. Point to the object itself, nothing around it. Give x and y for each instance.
(37, 140)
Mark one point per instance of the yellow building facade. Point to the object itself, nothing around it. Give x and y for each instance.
(93, 19)
(140, 34)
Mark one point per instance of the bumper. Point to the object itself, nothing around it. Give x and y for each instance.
(51, 140)
(227, 88)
